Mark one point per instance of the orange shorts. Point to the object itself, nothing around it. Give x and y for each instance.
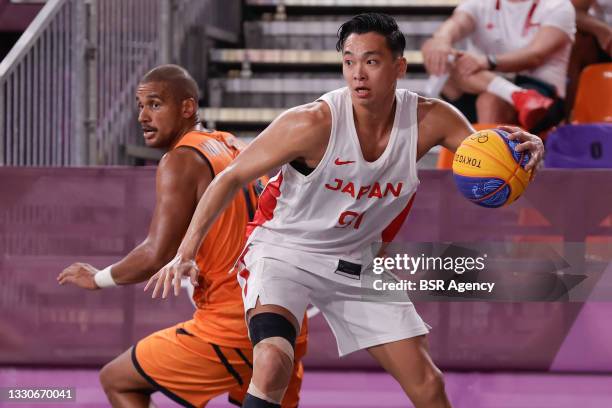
(191, 371)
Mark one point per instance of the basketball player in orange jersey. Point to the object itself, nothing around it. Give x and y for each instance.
(347, 180)
(211, 354)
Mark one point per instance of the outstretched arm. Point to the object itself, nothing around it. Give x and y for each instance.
(442, 124)
(182, 176)
(296, 134)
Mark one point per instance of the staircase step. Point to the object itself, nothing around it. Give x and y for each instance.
(322, 35)
(298, 85)
(422, 26)
(282, 92)
(239, 115)
(290, 57)
(355, 3)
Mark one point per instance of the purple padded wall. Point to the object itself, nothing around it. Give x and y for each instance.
(50, 218)
(580, 146)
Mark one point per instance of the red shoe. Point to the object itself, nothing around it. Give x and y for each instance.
(531, 107)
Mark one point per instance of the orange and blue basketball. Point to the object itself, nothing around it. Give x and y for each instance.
(489, 171)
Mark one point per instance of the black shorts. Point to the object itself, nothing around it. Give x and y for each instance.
(467, 102)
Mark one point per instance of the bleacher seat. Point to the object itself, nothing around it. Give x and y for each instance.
(594, 95)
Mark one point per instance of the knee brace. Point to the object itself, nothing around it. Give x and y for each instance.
(275, 331)
(266, 325)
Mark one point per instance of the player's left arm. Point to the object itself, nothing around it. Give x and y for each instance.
(442, 124)
(556, 29)
(546, 42)
(182, 177)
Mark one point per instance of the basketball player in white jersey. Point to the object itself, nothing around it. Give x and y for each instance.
(347, 179)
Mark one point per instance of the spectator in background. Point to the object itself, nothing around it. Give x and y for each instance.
(593, 40)
(515, 68)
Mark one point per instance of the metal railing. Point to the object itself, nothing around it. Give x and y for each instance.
(36, 91)
(128, 45)
(67, 86)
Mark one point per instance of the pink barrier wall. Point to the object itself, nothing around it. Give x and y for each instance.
(50, 218)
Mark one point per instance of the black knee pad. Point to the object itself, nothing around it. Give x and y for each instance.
(266, 325)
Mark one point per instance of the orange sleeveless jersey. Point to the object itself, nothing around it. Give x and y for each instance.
(219, 317)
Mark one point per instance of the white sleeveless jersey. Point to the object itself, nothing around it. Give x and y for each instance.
(326, 221)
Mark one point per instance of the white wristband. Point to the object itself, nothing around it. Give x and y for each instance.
(104, 279)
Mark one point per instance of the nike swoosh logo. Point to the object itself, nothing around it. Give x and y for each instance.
(339, 162)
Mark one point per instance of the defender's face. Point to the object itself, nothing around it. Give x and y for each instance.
(159, 114)
(369, 68)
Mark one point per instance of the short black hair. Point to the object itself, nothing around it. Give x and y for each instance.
(382, 24)
(181, 84)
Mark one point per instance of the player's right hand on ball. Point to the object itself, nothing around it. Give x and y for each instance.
(79, 274)
(171, 274)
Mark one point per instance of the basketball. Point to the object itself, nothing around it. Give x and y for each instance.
(488, 171)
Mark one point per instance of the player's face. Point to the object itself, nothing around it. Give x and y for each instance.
(159, 114)
(370, 69)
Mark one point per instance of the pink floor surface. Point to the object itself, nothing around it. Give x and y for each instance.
(365, 389)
